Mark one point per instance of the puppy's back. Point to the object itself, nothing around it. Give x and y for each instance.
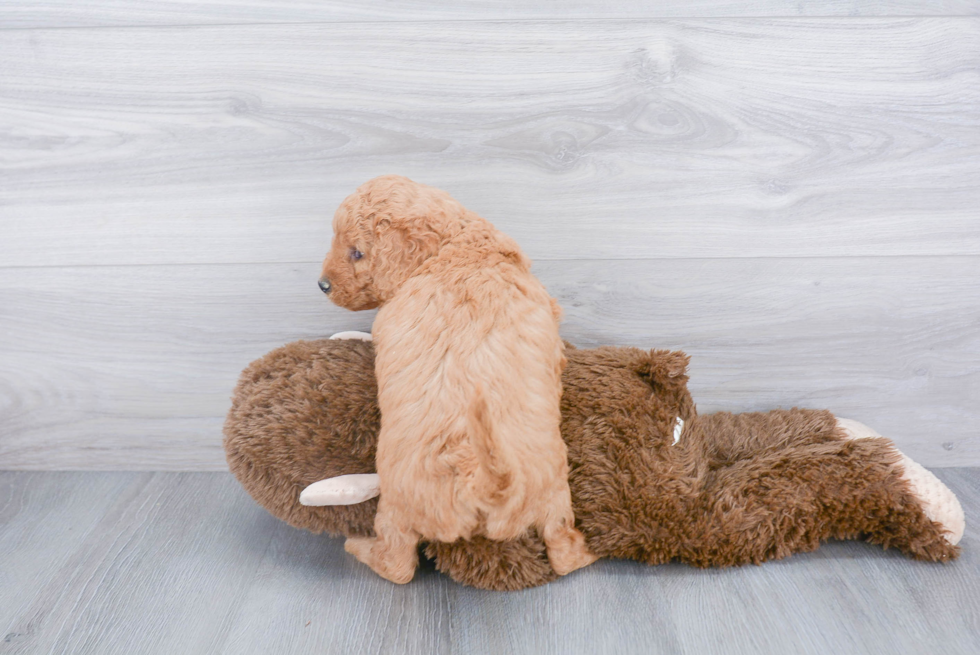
(463, 332)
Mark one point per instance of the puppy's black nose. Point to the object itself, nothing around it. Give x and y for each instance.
(324, 285)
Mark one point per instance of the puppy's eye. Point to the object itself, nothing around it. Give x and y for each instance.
(355, 254)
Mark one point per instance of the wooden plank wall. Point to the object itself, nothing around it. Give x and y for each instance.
(788, 191)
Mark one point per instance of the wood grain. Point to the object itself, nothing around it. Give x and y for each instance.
(101, 13)
(159, 570)
(132, 367)
(164, 563)
(604, 140)
(42, 521)
(792, 200)
(333, 606)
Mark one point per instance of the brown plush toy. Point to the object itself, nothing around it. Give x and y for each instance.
(650, 479)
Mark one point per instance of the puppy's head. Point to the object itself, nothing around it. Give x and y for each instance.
(383, 232)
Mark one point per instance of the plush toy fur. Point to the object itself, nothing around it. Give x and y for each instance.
(734, 489)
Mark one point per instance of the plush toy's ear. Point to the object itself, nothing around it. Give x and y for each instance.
(667, 368)
(666, 373)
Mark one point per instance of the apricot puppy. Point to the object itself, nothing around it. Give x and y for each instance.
(468, 361)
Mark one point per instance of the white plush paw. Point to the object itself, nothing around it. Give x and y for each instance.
(938, 502)
(341, 490)
(856, 430)
(353, 334)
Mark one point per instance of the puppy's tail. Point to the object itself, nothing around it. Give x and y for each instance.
(494, 477)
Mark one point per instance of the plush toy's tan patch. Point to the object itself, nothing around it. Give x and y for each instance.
(938, 502)
(734, 489)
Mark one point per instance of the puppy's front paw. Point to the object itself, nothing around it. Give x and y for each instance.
(567, 562)
(360, 547)
(568, 552)
(363, 549)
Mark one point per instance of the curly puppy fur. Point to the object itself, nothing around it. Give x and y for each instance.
(468, 365)
(735, 489)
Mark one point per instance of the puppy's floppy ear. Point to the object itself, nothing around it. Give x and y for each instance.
(400, 247)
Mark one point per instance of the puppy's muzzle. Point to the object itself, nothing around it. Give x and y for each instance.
(324, 285)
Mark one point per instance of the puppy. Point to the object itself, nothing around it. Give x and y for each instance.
(469, 363)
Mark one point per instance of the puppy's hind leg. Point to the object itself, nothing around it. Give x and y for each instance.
(393, 553)
(565, 545)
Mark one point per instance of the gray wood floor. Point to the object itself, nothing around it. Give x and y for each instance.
(187, 563)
